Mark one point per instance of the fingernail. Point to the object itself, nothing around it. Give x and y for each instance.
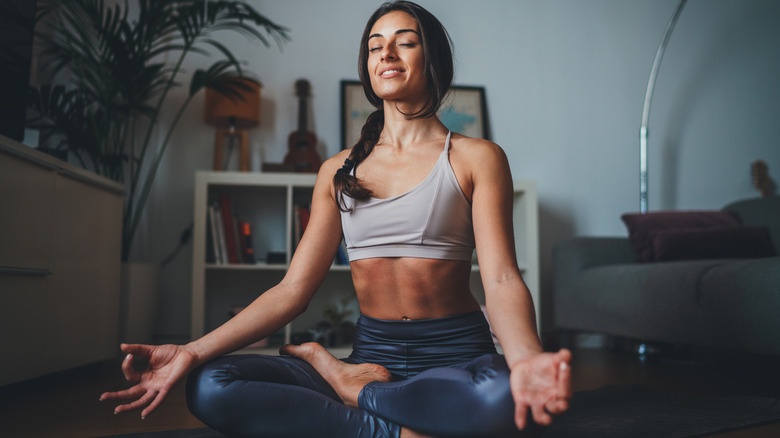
(143, 418)
(128, 357)
(564, 365)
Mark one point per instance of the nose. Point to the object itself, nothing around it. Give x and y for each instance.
(388, 53)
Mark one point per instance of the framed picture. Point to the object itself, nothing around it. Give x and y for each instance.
(464, 111)
(355, 109)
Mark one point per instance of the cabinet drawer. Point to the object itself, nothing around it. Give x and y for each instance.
(27, 200)
(25, 326)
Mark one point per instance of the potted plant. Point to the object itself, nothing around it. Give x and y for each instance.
(111, 78)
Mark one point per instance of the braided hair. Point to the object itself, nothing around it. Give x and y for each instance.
(437, 51)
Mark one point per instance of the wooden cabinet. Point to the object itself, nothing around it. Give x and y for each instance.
(267, 202)
(60, 248)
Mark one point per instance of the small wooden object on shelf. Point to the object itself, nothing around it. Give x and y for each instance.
(232, 108)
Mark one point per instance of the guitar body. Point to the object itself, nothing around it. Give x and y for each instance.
(302, 144)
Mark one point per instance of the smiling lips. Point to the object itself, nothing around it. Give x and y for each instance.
(390, 73)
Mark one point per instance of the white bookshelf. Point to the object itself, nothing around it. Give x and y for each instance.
(266, 200)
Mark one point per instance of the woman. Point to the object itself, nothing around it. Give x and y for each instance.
(413, 200)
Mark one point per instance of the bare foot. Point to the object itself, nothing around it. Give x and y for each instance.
(346, 379)
(408, 433)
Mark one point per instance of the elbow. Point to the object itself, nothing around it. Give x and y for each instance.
(299, 308)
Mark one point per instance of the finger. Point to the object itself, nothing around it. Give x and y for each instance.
(134, 392)
(153, 405)
(557, 406)
(137, 349)
(521, 412)
(564, 380)
(131, 375)
(143, 401)
(540, 416)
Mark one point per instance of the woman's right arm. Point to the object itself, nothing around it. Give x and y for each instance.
(283, 302)
(271, 311)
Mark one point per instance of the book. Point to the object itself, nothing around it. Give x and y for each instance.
(213, 253)
(301, 214)
(221, 249)
(246, 239)
(229, 227)
(237, 240)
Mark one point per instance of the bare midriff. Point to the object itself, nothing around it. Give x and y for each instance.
(409, 288)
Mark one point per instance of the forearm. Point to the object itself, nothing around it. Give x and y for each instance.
(513, 319)
(264, 316)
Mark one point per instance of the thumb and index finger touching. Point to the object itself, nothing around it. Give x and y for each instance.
(129, 368)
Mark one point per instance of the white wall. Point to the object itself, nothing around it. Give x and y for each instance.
(565, 83)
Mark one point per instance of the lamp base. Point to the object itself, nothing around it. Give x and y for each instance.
(237, 137)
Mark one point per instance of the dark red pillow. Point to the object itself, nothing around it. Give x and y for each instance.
(641, 226)
(715, 243)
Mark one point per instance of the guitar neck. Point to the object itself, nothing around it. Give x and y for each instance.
(302, 115)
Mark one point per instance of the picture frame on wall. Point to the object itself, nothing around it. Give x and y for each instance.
(355, 109)
(464, 111)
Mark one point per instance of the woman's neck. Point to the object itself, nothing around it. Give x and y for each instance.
(400, 131)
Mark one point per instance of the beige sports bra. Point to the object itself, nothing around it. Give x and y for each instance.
(432, 220)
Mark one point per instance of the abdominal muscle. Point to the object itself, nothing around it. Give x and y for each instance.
(408, 288)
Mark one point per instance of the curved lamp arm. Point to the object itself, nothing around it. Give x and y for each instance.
(646, 108)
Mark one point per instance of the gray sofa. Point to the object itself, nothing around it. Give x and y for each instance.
(724, 303)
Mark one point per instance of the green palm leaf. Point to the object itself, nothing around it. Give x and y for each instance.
(116, 83)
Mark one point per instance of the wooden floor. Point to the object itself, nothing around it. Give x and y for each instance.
(66, 405)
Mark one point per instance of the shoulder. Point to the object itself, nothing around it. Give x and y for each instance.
(329, 168)
(334, 163)
(477, 155)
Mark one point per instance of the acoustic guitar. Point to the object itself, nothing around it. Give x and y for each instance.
(302, 154)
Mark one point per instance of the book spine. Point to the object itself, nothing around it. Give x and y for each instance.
(220, 232)
(227, 222)
(249, 251)
(214, 254)
(301, 221)
(238, 240)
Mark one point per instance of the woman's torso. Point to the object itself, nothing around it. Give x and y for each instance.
(396, 288)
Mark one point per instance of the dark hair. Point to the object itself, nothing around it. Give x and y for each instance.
(437, 52)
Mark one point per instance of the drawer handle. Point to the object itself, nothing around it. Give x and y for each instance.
(33, 272)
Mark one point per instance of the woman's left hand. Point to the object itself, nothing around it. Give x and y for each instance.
(541, 383)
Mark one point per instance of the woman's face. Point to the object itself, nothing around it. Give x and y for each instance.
(396, 63)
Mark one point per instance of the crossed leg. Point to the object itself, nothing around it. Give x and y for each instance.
(473, 399)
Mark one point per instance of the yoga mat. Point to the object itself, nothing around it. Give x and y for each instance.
(636, 411)
(621, 411)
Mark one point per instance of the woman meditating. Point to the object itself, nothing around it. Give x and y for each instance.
(411, 200)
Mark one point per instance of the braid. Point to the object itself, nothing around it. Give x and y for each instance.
(344, 182)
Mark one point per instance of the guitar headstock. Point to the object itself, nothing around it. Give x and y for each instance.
(302, 88)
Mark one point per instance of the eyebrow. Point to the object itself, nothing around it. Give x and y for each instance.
(398, 32)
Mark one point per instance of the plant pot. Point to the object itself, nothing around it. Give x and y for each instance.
(138, 309)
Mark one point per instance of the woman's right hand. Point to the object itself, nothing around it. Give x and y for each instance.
(168, 364)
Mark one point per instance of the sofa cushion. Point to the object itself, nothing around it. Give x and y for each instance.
(643, 226)
(760, 211)
(713, 243)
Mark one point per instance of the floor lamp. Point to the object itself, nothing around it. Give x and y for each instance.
(646, 107)
(232, 109)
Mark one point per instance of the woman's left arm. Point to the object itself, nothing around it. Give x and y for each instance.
(541, 382)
